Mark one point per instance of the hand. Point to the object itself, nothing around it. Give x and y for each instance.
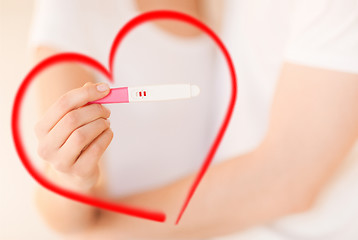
(73, 136)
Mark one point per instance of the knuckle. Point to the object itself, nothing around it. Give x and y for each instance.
(98, 108)
(43, 151)
(87, 84)
(106, 111)
(103, 123)
(60, 166)
(87, 92)
(110, 133)
(72, 119)
(64, 102)
(79, 136)
(97, 149)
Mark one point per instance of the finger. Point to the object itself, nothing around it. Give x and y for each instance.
(70, 101)
(73, 120)
(78, 140)
(87, 164)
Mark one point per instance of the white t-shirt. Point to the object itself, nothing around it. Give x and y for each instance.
(156, 143)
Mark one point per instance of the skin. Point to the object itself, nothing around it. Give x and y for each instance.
(313, 125)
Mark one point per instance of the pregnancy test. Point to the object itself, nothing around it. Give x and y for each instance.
(150, 93)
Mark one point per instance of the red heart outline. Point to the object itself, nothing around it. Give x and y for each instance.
(83, 59)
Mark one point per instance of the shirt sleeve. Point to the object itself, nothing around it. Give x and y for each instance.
(324, 33)
(61, 24)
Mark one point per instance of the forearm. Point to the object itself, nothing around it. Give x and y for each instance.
(233, 195)
(62, 214)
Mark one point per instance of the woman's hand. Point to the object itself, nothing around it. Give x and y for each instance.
(73, 136)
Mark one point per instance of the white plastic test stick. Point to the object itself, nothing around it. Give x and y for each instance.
(150, 93)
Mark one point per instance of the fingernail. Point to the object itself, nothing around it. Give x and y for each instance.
(102, 87)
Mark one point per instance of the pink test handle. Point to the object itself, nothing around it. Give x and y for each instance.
(116, 95)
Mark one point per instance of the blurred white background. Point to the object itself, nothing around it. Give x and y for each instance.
(19, 218)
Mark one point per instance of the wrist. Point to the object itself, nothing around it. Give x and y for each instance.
(72, 182)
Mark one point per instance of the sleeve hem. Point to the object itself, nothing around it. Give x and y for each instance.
(339, 63)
